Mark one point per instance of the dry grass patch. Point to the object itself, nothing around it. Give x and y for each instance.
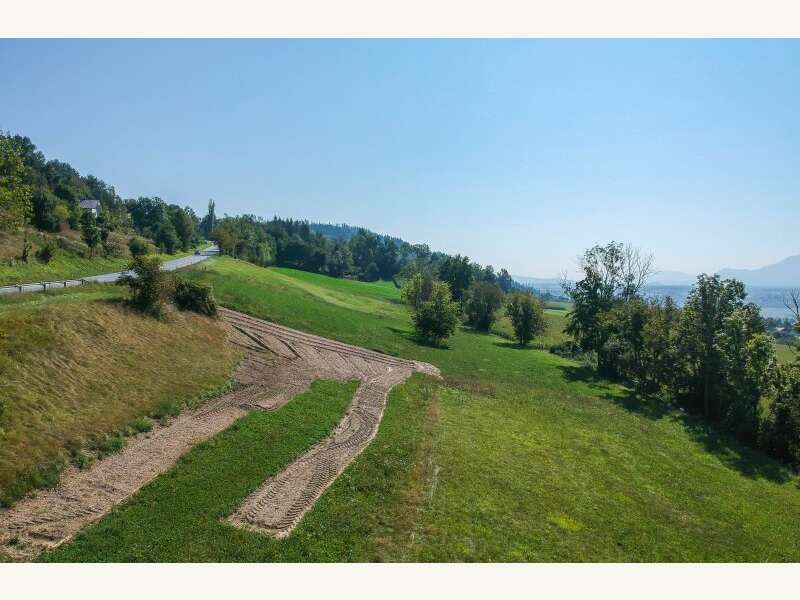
(75, 372)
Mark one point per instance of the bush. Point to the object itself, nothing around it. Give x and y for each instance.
(150, 287)
(568, 349)
(104, 445)
(141, 425)
(527, 317)
(76, 248)
(435, 320)
(483, 301)
(138, 247)
(113, 247)
(46, 253)
(196, 297)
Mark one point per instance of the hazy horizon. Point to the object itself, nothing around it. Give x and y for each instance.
(517, 153)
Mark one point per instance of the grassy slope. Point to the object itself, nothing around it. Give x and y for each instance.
(233, 464)
(521, 455)
(76, 363)
(64, 265)
(785, 353)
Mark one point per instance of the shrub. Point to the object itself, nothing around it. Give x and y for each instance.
(435, 319)
(150, 287)
(167, 408)
(113, 247)
(104, 445)
(141, 425)
(72, 247)
(483, 301)
(138, 246)
(46, 253)
(567, 349)
(76, 455)
(527, 317)
(196, 297)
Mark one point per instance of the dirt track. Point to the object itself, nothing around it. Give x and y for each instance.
(280, 363)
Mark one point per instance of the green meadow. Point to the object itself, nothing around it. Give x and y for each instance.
(518, 455)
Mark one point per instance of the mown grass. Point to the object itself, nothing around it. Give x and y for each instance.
(78, 368)
(518, 455)
(208, 484)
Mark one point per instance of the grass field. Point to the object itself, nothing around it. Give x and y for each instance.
(785, 353)
(518, 455)
(77, 365)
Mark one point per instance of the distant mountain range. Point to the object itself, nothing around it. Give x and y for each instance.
(785, 273)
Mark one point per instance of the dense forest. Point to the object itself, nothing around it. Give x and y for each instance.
(364, 255)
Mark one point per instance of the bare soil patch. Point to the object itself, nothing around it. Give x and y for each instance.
(280, 364)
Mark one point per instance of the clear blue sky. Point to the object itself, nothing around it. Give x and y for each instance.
(518, 153)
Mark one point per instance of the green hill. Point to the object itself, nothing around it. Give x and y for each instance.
(77, 366)
(519, 455)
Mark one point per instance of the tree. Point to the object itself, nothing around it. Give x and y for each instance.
(90, 232)
(613, 274)
(457, 273)
(505, 281)
(209, 222)
(780, 434)
(167, 238)
(711, 301)
(184, 227)
(660, 359)
(527, 317)
(483, 301)
(15, 194)
(435, 319)
(417, 289)
(372, 272)
(150, 287)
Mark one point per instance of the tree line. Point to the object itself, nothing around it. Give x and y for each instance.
(712, 356)
(46, 194)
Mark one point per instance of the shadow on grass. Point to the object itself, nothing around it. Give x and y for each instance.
(412, 337)
(726, 448)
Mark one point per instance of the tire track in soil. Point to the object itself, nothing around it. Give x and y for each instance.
(279, 363)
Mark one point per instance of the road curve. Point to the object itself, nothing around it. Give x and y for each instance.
(43, 286)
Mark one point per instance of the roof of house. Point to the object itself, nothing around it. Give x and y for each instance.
(95, 204)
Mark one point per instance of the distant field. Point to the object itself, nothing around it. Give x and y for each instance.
(518, 455)
(76, 364)
(785, 353)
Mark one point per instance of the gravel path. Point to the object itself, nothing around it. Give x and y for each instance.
(279, 364)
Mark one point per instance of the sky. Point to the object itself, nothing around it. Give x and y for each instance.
(516, 153)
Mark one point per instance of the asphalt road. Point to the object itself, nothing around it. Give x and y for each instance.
(170, 265)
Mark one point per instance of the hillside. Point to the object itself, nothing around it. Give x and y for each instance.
(517, 455)
(71, 257)
(785, 273)
(80, 368)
